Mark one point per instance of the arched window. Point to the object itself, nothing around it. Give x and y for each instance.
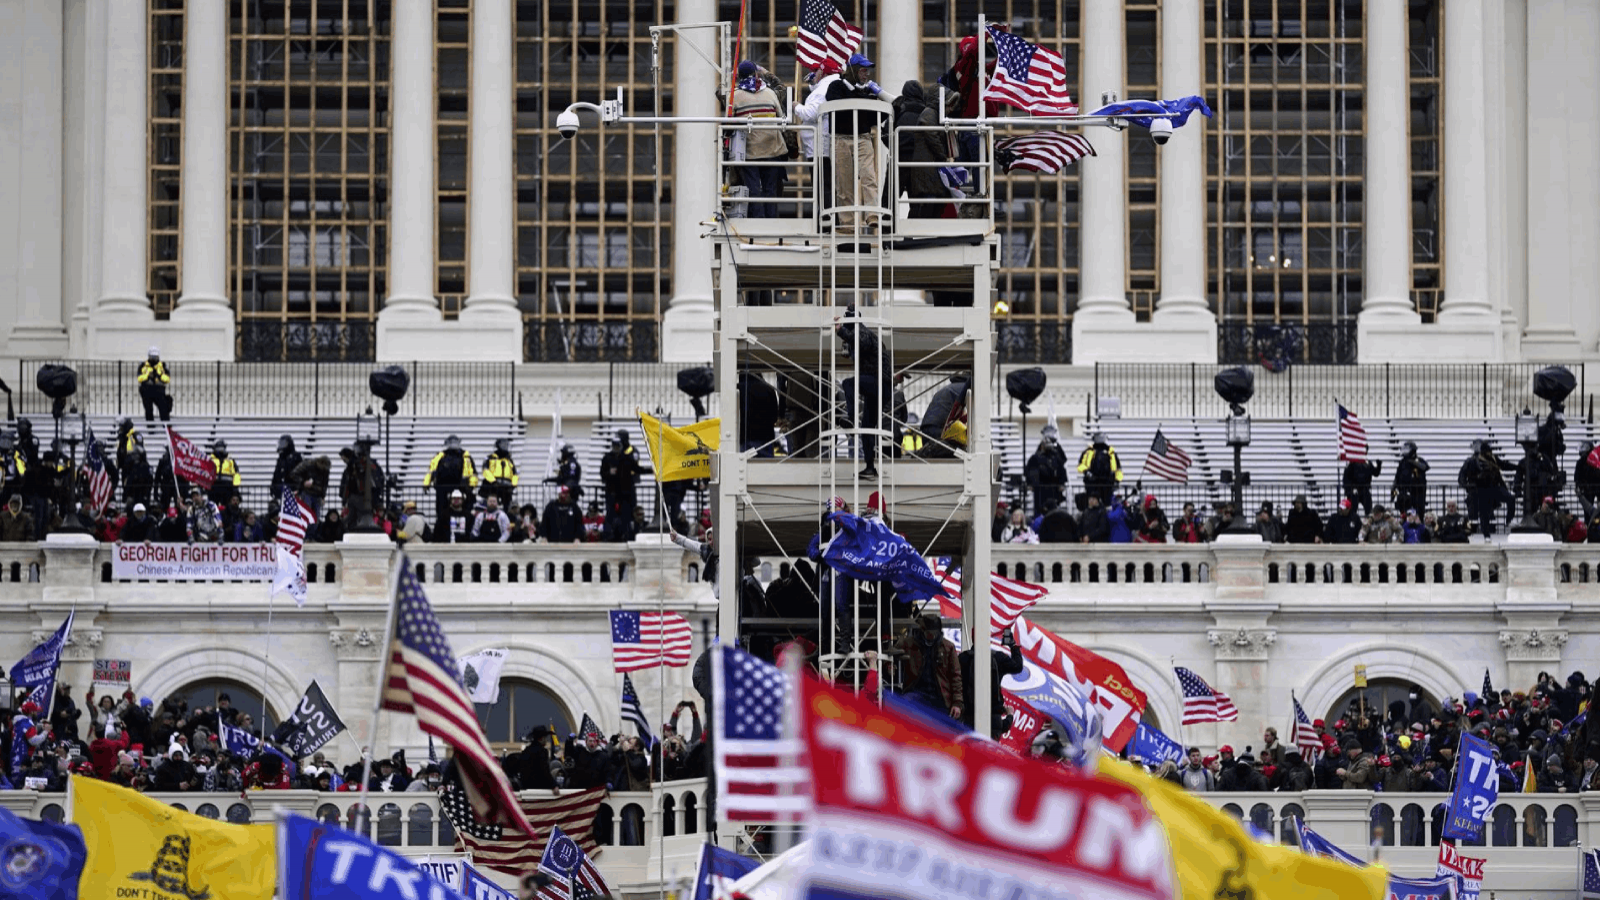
(523, 705)
(1377, 696)
(239, 696)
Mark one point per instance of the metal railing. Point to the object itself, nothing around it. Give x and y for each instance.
(1421, 390)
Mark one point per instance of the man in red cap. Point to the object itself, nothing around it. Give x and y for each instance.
(1344, 527)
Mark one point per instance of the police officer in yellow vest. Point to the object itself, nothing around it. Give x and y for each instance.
(1100, 469)
(227, 483)
(153, 381)
(500, 477)
(13, 466)
(451, 469)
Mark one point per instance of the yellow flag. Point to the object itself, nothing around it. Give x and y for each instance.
(681, 454)
(1530, 784)
(145, 849)
(1214, 857)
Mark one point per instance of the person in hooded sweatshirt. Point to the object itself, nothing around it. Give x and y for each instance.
(1153, 526)
(289, 459)
(913, 109)
(1120, 521)
(1304, 525)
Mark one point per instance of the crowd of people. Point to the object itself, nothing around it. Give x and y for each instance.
(1543, 734)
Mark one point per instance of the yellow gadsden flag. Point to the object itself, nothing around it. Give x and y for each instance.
(1215, 858)
(142, 848)
(681, 454)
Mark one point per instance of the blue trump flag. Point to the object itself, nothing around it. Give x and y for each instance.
(38, 669)
(1422, 888)
(1316, 845)
(1477, 789)
(323, 862)
(719, 869)
(242, 743)
(476, 887)
(1151, 746)
(1142, 112)
(39, 860)
(865, 549)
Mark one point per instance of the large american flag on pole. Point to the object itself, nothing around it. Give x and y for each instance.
(1202, 702)
(509, 850)
(824, 34)
(1305, 738)
(760, 771)
(99, 476)
(294, 520)
(1030, 77)
(420, 679)
(1167, 460)
(1352, 436)
(1008, 599)
(1047, 152)
(647, 640)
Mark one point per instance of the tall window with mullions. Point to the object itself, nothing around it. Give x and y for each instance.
(1284, 162)
(593, 243)
(309, 160)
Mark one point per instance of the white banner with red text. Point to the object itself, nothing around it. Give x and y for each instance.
(193, 562)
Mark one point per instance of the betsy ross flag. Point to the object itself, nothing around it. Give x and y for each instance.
(633, 712)
(99, 477)
(646, 640)
(515, 852)
(1030, 77)
(1008, 599)
(576, 877)
(1352, 437)
(1303, 735)
(1202, 702)
(761, 776)
(420, 679)
(824, 34)
(1590, 877)
(1043, 151)
(1167, 460)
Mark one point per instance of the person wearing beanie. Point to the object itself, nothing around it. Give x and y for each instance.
(1359, 770)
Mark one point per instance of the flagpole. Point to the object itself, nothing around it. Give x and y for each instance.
(1183, 735)
(383, 679)
(172, 467)
(266, 663)
(661, 610)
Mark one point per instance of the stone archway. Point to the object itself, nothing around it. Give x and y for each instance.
(185, 667)
(1326, 683)
(1149, 676)
(569, 683)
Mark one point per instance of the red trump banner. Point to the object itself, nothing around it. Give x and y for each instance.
(190, 461)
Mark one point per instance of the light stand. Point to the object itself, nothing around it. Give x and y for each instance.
(1236, 386)
(388, 384)
(362, 499)
(1551, 384)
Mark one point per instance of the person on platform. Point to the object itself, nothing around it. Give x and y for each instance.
(619, 474)
(491, 524)
(1101, 470)
(1357, 482)
(289, 459)
(1344, 527)
(1046, 472)
(449, 471)
(855, 145)
(500, 478)
(563, 524)
(227, 483)
(1304, 525)
(454, 524)
(1410, 489)
(154, 381)
(933, 673)
(569, 472)
(754, 98)
(1482, 474)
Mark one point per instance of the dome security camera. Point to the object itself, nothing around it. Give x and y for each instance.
(567, 123)
(1160, 131)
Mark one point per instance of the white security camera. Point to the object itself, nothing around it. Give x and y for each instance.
(567, 123)
(1160, 131)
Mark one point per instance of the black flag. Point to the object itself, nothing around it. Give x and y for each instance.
(313, 724)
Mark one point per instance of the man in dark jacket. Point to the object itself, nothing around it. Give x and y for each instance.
(875, 390)
(1482, 476)
(1357, 482)
(1003, 663)
(933, 674)
(1093, 526)
(1453, 526)
(1344, 527)
(1411, 480)
(289, 459)
(563, 523)
(619, 473)
(1304, 525)
(758, 415)
(1046, 473)
(948, 404)
(533, 763)
(569, 472)
(1586, 479)
(176, 773)
(1058, 526)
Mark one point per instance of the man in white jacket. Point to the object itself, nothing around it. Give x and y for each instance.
(808, 113)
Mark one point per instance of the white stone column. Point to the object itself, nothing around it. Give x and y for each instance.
(1583, 176)
(38, 330)
(1103, 323)
(408, 326)
(203, 319)
(687, 325)
(899, 56)
(1388, 324)
(122, 322)
(1553, 258)
(491, 314)
(83, 84)
(1505, 165)
(1183, 315)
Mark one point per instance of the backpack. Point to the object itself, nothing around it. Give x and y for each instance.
(449, 469)
(1100, 465)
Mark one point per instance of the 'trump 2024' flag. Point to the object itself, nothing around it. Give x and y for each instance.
(314, 723)
(1477, 788)
(912, 794)
(867, 550)
(38, 669)
(190, 462)
(317, 861)
(1063, 676)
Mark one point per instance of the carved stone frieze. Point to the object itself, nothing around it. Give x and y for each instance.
(1242, 643)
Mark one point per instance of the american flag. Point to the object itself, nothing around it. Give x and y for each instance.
(824, 34)
(1591, 874)
(1008, 599)
(421, 680)
(1167, 460)
(1303, 735)
(1029, 77)
(633, 712)
(1488, 687)
(761, 776)
(645, 640)
(99, 476)
(1352, 437)
(1202, 702)
(575, 874)
(1043, 151)
(294, 520)
(508, 850)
